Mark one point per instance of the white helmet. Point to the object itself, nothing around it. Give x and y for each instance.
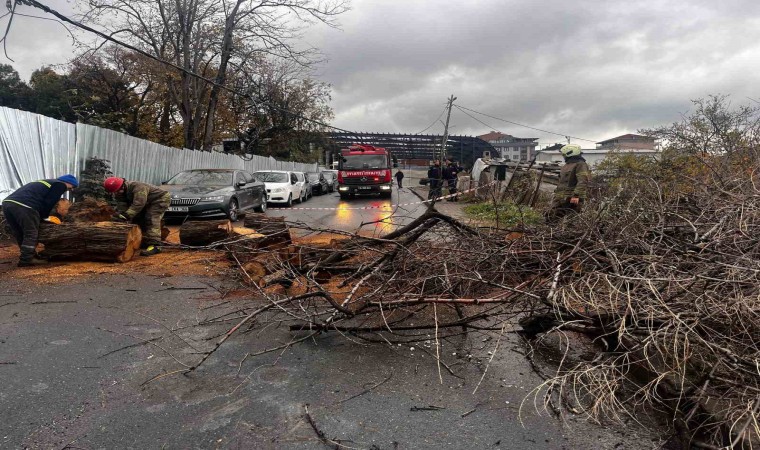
(570, 150)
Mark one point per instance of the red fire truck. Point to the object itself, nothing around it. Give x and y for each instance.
(364, 169)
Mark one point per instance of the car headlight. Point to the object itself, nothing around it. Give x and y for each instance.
(276, 190)
(213, 198)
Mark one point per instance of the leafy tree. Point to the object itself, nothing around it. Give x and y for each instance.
(53, 95)
(288, 107)
(14, 93)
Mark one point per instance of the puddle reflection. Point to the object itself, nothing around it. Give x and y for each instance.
(377, 216)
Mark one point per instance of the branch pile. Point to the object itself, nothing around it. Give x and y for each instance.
(665, 274)
(662, 273)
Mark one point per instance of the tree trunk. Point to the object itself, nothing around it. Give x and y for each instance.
(221, 76)
(164, 124)
(98, 241)
(206, 232)
(266, 225)
(276, 232)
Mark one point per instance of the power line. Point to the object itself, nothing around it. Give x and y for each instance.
(461, 108)
(107, 37)
(435, 121)
(476, 119)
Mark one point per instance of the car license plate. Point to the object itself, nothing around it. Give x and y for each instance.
(179, 208)
(365, 187)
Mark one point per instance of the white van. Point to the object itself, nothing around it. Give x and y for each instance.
(283, 186)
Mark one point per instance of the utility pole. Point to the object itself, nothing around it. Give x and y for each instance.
(446, 129)
(438, 191)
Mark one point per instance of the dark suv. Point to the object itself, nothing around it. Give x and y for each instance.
(214, 193)
(318, 183)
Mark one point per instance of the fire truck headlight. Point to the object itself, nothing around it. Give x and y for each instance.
(385, 188)
(343, 188)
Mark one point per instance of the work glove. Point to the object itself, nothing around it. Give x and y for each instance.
(53, 219)
(118, 217)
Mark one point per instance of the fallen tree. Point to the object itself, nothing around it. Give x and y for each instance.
(98, 241)
(660, 272)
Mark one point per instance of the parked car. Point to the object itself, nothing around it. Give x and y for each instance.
(214, 193)
(331, 177)
(318, 183)
(282, 186)
(308, 191)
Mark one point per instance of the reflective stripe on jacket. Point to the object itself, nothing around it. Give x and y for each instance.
(40, 195)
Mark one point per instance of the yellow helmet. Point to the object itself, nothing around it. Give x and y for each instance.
(570, 150)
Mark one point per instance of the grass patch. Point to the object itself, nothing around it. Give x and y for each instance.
(509, 214)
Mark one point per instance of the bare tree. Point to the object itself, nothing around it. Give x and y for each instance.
(212, 39)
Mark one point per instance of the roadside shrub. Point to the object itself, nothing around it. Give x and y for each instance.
(503, 214)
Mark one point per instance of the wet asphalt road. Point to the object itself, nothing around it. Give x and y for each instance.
(368, 215)
(74, 363)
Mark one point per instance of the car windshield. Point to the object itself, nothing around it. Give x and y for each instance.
(202, 178)
(328, 175)
(313, 176)
(349, 162)
(272, 177)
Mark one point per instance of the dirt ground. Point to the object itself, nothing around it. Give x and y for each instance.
(173, 261)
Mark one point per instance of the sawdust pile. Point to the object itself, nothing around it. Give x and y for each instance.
(172, 262)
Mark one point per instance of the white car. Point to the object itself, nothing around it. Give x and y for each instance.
(283, 186)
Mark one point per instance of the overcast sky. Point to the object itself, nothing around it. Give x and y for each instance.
(591, 69)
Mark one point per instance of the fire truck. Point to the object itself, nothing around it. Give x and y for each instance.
(364, 169)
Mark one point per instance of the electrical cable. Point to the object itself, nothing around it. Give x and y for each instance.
(478, 120)
(461, 108)
(434, 122)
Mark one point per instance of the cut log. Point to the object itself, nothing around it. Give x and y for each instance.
(267, 225)
(275, 229)
(204, 232)
(89, 210)
(304, 257)
(98, 241)
(256, 270)
(62, 208)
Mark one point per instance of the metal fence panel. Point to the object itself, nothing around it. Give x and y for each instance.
(141, 160)
(33, 147)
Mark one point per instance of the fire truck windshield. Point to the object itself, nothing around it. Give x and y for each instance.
(352, 162)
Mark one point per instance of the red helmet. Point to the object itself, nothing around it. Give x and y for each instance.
(113, 184)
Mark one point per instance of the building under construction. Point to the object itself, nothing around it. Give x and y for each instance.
(414, 150)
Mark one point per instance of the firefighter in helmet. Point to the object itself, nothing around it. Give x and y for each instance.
(142, 204)
(571, 191)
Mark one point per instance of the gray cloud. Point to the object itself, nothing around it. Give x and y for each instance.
(586, 68)
(33, 43)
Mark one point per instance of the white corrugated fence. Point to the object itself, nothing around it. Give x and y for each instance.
(33, 147)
